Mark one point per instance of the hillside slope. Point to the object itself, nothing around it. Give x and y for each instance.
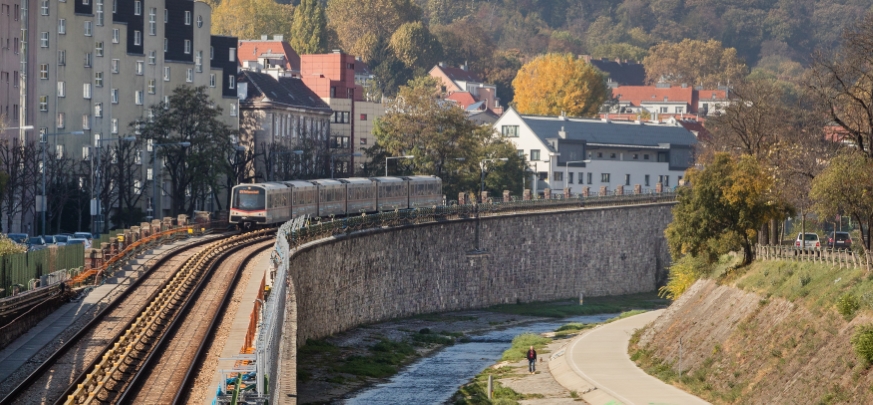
(741, 345)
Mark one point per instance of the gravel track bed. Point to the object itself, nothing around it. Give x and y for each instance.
(203, 387)
(52, 385)
(164, 378)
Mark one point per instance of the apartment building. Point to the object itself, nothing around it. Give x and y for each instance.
(11, 79)
(101, 64)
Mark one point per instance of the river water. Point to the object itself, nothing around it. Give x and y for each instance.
(434, 379)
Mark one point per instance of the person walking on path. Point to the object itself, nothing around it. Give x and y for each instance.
(532, 360)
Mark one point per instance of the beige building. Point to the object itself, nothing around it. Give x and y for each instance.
(101, 64)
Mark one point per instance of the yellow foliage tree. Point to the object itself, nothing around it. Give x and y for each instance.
(695, 63)
(556, 83)
(249, 19)
(361, 24)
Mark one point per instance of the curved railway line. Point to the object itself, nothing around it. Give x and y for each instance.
(143, 345)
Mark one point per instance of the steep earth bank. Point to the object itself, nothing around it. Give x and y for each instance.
(771, 336)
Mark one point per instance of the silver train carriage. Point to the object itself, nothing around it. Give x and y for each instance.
(263, 204)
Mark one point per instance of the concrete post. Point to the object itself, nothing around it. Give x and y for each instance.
(527, 195)
(506, 196)
(156, 226)
(659, 188)
(619, 190)
(462, 198)
(484, 197)
(638, 189)
(182, 220)
(146, 229)
(603, 190)
(566, 193)
(547, 194)
(586, 191)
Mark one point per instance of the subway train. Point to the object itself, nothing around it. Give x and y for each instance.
(265, 204)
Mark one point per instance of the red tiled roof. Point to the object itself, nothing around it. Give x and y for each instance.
(708, 95)
(637, 95)
(463, 98)
(251, 50)
(458, 74)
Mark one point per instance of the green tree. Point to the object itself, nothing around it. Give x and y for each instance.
(308, 30)
(619, 51)
(727, 203)
(553, 84)
(845, 187)
(414, 45)
(694, 62)
(361, 24)
(195, 170)
(249, 19)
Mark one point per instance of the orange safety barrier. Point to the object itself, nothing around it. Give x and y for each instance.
(252, 331)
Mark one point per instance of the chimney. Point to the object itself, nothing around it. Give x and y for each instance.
(278, 38)
(337, 51)
(562, 134)
(563, 117)
(442, 64)
(464, 66)
(263, 37)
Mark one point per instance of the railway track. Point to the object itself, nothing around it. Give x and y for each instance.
(151, 362)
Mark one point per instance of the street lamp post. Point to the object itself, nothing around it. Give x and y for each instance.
(155, 172)
(98, 183)
(482, 166)
(333, 157)
(44, 143)
(395, 157)
(566, 168)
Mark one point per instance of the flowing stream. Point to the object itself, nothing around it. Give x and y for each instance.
(434, 379)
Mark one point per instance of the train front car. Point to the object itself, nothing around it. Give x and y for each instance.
(248, 206)
(425, 191)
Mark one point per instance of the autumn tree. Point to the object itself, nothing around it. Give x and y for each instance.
(446, 11)
(308, 30)
(249, 19)
(845, 187)
(693, 62)
(553, 84)
(843, 84)
(197, 168)
(414, 45)
(361, 24)
(727, 203)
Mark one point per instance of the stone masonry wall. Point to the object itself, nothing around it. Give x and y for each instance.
(374, 276)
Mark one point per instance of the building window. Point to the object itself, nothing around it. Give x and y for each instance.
(62, 26)
(635, 156)
(85, 150)
(189, 75)
(98, 48)
(137, 97)
(166, 73)
(59, 151)
(510, 131)
(645, 157)
(363, 117)
(199, 21)
(116, 36)
(667, 181)
(231, 82)
(626, 179)
(43, 72)
(589, 178)
(15, 46)
(137, 7)
(99, 12)
(212, 80)
(232, 55)
(153, 57)
(43, 103)
(98, 110)
(166, 45)
(137, 38)
(114, 125)
(233, 110)
(15, 13)
(604, 177)
(558, 176)
(114, 96)
(152, 86)
(570, 178)
(198, 62)
(662, 156)
(86, 122)
(86, 91)
(43, 39)
(680, 110)
(62, 58)
(62, 89)
(646, 178)
(187, 18)
(89, 26)
(114, 6)
(166, 16)
(98, 79)
(534, 155)
(664, 110)
(114, 65)
(187, 47)
(62, 122)
(140, 68)
(44, 7)
(211, 52)
(153, 21)
(363, 141)
(341, 117)
(88, 59)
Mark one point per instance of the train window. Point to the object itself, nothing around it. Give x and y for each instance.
(249, 199)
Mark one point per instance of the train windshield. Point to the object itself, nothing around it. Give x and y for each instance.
(249, 199)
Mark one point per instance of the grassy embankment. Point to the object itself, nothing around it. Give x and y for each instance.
(830, 298)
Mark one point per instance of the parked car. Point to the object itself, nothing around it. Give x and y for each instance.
(78, 241)
(18, 238)
(49, 239)
(83, 235)
(840, 240)
(61, 240)
(810, 241)
(36, 243)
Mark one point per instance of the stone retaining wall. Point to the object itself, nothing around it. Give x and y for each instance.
(373, 276)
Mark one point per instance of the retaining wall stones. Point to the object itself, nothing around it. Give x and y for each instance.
(372, 276)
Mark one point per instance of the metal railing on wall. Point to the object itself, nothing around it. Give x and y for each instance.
(19, 270)
(842, 258)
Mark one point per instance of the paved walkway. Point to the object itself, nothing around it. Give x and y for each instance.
(597, 366)
(21, 350)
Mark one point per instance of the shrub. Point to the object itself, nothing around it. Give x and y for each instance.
(847, 305)
(520, 345)
(862, 342)
(683, 274)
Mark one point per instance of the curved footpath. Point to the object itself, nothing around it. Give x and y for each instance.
(597, 366)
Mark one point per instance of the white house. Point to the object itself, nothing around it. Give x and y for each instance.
(597, 153)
